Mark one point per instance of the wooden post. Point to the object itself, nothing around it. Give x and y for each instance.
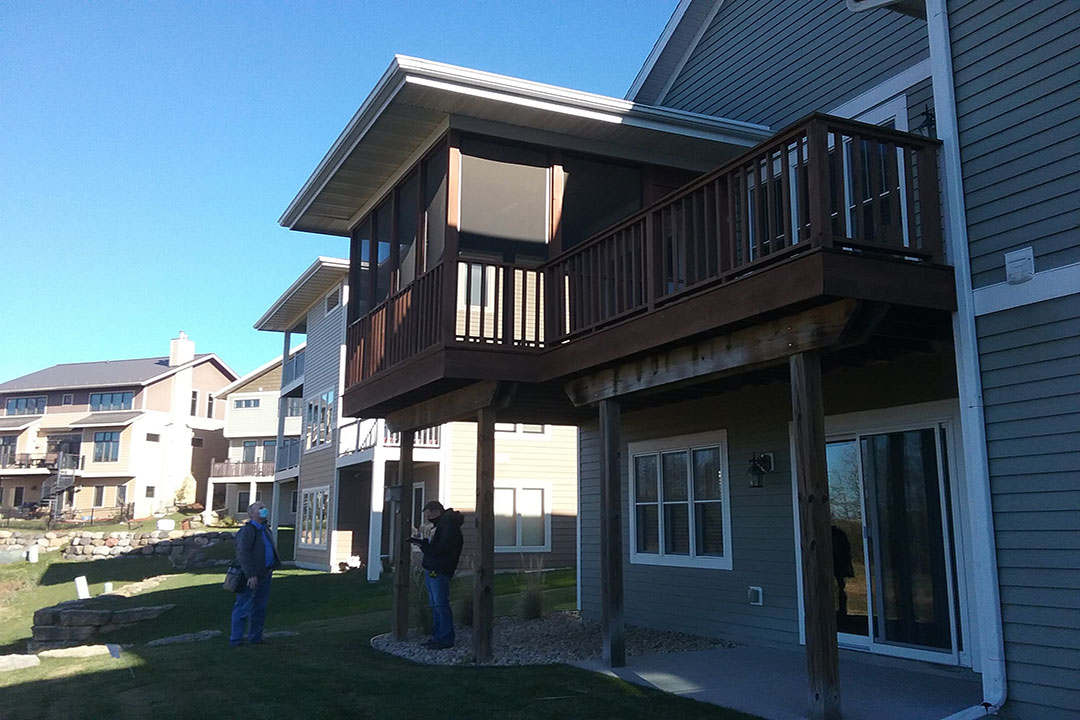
(808, 418)
(611, 571)
(402, 549)
(483, 576)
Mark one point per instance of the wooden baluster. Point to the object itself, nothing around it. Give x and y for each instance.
(858, 191)
(895, 234)
(789, 238)
(873, 182)
(770, 204)
(744, 215)
(908, 162)
(930, 202)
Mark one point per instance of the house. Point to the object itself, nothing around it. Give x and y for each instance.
(246, 472)
(112, 437)
(332, 480)
(810, 295)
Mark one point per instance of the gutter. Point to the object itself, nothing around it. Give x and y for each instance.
(973, 428)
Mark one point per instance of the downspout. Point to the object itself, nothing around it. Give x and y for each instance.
(983, 556)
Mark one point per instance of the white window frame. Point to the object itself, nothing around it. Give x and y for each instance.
(338, 290)
(516, 485)
(519, 429)
(67, 399)
(717, 438)
(319, 421)
(319, 534)
(97, 489)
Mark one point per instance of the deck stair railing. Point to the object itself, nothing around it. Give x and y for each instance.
(822, 183)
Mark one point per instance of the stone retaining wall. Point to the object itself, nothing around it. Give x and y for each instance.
(88, 545)
(72, 623)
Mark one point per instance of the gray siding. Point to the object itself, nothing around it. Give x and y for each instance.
(1017, 76)
(322, 371)
(714, 602)
(773, 62)
(1030, 358)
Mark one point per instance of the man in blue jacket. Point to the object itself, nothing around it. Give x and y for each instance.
(258, 558)
(441, 554)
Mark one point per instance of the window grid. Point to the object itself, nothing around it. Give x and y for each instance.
(111, 401)
(106, 446)
(320, 420)
(315, 517)
(26, 405)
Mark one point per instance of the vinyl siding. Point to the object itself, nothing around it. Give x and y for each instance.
(251, 422)
(269, 380)
(322, 372)
(1017, 77)
(1030, 359)
(771, 63)
(762, 525)
(550, 459)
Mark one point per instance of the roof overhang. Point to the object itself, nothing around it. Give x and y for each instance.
(13, 423)
(289, 312)
(416, 101)
(106, 419)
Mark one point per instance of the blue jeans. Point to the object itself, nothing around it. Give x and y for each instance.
(250, 603)
(442, 619)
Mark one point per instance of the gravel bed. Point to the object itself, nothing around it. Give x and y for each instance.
(561, 637)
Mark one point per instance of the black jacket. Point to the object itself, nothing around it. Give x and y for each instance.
(443, 550)
(251, 551)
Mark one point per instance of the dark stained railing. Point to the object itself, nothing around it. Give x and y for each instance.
(823, 183)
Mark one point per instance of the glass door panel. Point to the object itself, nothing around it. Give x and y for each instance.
(850, 597)
(910, 585)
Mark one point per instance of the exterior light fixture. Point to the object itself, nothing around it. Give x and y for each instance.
(760, 463)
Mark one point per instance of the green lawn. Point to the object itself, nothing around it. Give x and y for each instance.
(327, 671)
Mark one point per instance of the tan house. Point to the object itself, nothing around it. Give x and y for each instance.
(335, 479)
(115, 436)
(246, 472)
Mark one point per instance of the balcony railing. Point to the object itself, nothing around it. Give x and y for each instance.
(824, 183)
(44, 461)
(293, 368)
(288, 456)
(233, 468)
(365, 434)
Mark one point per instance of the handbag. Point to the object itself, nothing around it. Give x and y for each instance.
(234, 579)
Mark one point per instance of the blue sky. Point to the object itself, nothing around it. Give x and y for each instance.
(147, 149)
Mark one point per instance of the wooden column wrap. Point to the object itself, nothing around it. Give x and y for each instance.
(402, 549)
(483, 577)
(611, 569)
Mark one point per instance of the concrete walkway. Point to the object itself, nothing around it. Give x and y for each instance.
(771, 683)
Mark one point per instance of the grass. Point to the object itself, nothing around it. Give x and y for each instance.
(328, 671)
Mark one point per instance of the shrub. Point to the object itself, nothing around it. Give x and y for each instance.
(531, 584)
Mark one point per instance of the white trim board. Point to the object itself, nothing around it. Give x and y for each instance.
(1044, 285)
(896, 85)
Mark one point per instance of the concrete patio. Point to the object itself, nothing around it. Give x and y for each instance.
(771, 683)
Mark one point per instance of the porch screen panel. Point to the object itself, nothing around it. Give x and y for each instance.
(596, 195)
(359, 277)
(909, 566)
(504, 195)
(646, 508)
(708, 502)
(407, 208)
(435, 168)
(676, 512)
(383, 227)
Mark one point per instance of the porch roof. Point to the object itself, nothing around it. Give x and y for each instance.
(289, 312)
(20, 422)
(107, 419)
(417, 100)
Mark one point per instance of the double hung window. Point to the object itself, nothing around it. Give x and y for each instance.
(679, 502)
(315, 516)
(106, 446)
(523, 518)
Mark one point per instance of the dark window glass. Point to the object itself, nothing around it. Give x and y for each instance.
(149, 491)
(112, 401)
(269, 450)
(194, 402)
(26, 405)
(359, 281)
(504, 195)
(17, 497)
(106, 446)
(383, 227)
(435, 206)
(408, 198)
(249, 451)
(99, 495)
(596, 195)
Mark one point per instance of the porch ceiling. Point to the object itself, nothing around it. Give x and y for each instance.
(415, 99)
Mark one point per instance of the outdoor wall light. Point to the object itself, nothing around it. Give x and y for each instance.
(760, 463)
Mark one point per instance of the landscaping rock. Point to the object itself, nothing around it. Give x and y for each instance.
(83, 617)
(79, 651)
(56, 633)
(101, 550)
(134, 615)
(189, 637)
(17, 662)
(45, 616)
(110, 542)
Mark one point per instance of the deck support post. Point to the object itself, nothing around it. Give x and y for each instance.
(808, 420)
(611, 559)
(483, 576)
(402, 549)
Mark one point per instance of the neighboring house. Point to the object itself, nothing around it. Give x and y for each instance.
(246, 473)
(798, 323)
(115, 436)
(334, 482)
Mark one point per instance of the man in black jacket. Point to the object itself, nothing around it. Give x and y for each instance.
(258, 558)
(441, 554)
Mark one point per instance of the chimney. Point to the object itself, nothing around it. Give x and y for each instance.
(181, 350)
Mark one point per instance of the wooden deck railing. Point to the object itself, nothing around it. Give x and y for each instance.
(825, 182)
(237, 468)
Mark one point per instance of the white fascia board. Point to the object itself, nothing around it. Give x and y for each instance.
(320, 263)
(658, 48)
